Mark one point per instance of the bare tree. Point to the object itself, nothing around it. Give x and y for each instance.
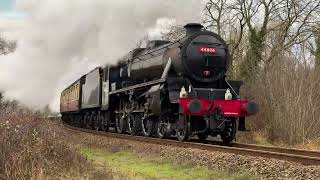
(1, 99)
(174, 33)
(293, 23)
(221, 19)
(271, 27)
(216, 10)
(313, 45)
(317, 50)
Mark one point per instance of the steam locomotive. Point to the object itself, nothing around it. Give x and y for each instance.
(166, 89)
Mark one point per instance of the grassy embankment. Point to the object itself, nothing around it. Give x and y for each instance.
(127, 164)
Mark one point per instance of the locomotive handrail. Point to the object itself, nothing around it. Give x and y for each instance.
(232, 88)
(156, 50)
(140, 58)
(149, 83)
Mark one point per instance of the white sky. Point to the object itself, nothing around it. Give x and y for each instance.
(59, 40)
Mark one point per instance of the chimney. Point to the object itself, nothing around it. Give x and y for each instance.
(192, 28)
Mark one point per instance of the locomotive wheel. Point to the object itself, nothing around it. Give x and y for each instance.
(121, 124)
(88, 120)
(92, 121)
(183, 134)
(105, 128)
(104, 121)
(96, 122)
(229, 132)
(161, 130)
(101, 122)
(147, 126)
(134, 126)
(202, 136)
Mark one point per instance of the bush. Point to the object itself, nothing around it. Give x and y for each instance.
(287, 92)
(32, 147)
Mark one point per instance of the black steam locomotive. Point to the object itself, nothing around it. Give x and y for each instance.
(166, 89)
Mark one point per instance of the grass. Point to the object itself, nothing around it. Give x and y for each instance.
(310, 145)
(133, 167)
(254, 137)
(260, 138)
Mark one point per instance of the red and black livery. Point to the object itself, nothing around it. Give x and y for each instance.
(166, 89)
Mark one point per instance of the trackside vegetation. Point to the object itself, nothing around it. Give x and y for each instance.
(130, 165)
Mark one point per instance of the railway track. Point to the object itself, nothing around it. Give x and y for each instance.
(304, 157)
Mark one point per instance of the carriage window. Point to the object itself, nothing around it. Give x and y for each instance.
(73, 92)
(77, 91)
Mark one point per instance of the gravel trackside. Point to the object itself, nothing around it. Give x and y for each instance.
(261, 168)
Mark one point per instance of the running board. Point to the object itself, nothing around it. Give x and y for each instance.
(149, 83)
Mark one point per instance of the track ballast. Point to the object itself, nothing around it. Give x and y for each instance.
(304, 157)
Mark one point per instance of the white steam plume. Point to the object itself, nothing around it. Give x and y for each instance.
(64, 39)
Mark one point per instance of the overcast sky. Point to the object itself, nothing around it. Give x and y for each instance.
(8, 9)
(6, 5)
(60, 40)
(10, 19)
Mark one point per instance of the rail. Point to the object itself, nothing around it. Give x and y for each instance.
(304, 157)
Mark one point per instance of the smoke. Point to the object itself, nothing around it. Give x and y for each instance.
(162, 26)
(62, 40)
